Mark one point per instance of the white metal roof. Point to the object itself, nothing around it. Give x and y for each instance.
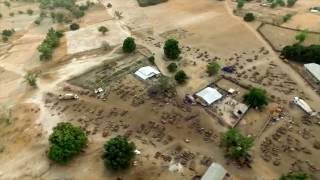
(314, 69)
(210, 95)
(214, 172)
(146, 72)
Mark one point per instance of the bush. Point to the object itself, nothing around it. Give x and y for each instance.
(291, 3)
(256, 98)
(181, 77)
(304, 54)
(151, 60)
(7, 32)
(103, 29)
(286, 18)
(164, 87)
(129, 45)
(295, 176)
(236, 145)
(249, 17)
(118, 153)
(171, 49)
(301, 36)
(240, 4)
(30, 11)
(51, 41)
(172, 67)
(74, 26)
(213, 68)
(31, 79)
(1, 16)
(66, 141)
(5, 38)
(11, 14)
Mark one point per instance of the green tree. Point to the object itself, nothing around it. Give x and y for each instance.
(213, 68)
(304, 54)
(66, 141)
(118, 153)
(256, 98)
(172, 49)
(30, 11)
(291, 3)
(151, 59)
(181, 77)
(295, 176)
(300, 37)
(172, 67)
(31, 79)
(240, 4)
(129, 45)
(249, 17)
(74, 26)
(103, 29)
(236, 145)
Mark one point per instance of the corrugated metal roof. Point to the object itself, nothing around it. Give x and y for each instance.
(146, 72)
(214, 172)
(210, 95)
(314, 69)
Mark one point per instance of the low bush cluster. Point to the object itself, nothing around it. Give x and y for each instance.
(49, 44)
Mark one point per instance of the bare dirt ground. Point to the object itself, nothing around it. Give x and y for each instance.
(166, 130)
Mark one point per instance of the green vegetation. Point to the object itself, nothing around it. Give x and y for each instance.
(181, 77)
(11, 14)
(172, 67)
(240, 4)
(6, 34)
(30, 12)
(213, 68)
(129, 45)
(49, 44)
(103, 29)
(302, 36)
(1, 16)
(287, 17)
(295, 176)
(236, 145)
(249, 17)
(31, 79)
(118, 153)
(256, 98)
(151, 60)
(291, 3)
(164, 87)
(300, 53)
(74, 26)
(144, 3)
(172, 49)
(7, 3)
(66, 141)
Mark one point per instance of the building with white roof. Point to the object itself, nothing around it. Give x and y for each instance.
(147, 72)
(208, 96)
(216, 172)
(314, 70)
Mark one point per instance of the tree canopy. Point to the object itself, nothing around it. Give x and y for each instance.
(129, 45)
(172, 49)
(51, 42)
(103, 29)
(301, 36)
(248, 17)
(118, 153)
(66, 141)
(237, 145)
(172, 67)
(300, 53)
(256, 98)
(295, 176)
(181, 77)
(213, 68)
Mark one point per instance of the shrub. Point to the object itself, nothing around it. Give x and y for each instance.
(151, 60)
(51, 41)
(291, 3)
(249, 17)
(181, 77)
(240, 4)
(118, 153)
(7, 32)
(5, 38)
(301, 36)
(105, 46)
(304, 54)
(31, 79)
(286, 18)
(256, 98)
(213, 68)
(236, 145)
(164, 87)
(172, 67)
(295, 176)
(0, 15)
(103, 29)
(66, 141)
(74, 26)
(171, 49)
(30, 11)
(129, 45)
(11, 14)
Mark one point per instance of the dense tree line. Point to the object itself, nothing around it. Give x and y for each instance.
(49, 44)
(300, 53)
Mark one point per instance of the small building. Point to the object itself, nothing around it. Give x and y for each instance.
(216, 172)
(314, 70)
(208, 96)
(240, 109)
(147, 72)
